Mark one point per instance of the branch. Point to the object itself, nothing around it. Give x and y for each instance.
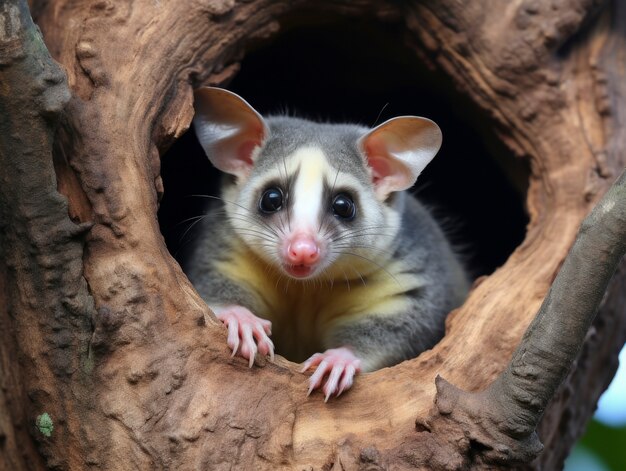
(503, 418)
(554, 338)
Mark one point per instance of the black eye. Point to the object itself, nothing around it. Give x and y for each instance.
(343, 207)
(271, 200)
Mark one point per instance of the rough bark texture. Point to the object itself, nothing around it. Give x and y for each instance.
(46, 309)
(502, 419)
(103, 331)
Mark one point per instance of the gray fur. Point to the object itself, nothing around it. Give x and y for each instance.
(214, 235)
(386, 341)
(420, 243)
(336, 140)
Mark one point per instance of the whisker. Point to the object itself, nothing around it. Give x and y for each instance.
(287, 284)
(181, 246)
(278, 281)
(256, 218)
(380, 113)
(260, 232)
(248, 218)
(282, 224)
(244, 218)
(328, 228)
(256, 233)
(364, 233)
(190, 219)
(360, 231)
(367, 247)
(188, 229)
(342, 237)
(330, 279)
(367, 228)
(346, 277)
(359, 275)
(373, 263)
(258, 244)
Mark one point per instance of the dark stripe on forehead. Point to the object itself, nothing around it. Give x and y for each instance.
(327, 196)
(289, 189)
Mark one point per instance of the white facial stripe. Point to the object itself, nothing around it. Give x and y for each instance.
(311, 171)
(308, 187)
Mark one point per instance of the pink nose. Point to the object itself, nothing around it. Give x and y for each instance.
(303, 250)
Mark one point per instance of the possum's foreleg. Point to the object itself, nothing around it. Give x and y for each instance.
(247, 333)
(340, 364)
(371, 343)
(235, 307)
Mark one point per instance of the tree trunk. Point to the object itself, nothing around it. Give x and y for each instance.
(104, 338)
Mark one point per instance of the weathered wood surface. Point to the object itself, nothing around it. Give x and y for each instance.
(131, 366)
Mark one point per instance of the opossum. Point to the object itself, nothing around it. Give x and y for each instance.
(317, 244)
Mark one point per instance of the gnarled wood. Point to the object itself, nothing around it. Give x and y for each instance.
(502, 419)
(44, 301)
(160, 389)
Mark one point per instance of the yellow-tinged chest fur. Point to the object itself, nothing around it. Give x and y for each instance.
(304, 313)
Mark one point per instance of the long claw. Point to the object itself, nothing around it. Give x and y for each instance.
(271, 349)
(316, 379)
(347, 379)
(247, 333)
(340, 364)
(250, 345)
(331, 385)
(312, 361)
(267, 326)
(233, 336)
(265, 345)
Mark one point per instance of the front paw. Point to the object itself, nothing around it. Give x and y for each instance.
(247, 333)
(340, 364)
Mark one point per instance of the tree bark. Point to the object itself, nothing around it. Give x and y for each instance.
(502, 419)
(103, 332)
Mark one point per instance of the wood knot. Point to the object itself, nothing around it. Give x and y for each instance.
(85, 50)
(219, 9)
(369, 455)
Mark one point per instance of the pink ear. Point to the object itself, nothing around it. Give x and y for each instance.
(229, 130)
(398, 150)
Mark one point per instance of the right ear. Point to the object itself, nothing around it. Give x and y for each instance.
(229, 130)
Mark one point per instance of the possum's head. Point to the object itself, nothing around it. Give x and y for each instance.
(313, 200)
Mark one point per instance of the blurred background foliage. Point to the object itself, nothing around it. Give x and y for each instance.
(603, 447)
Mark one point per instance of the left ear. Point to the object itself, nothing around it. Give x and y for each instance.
(398, 150)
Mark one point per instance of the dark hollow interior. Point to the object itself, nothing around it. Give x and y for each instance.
(363, 72)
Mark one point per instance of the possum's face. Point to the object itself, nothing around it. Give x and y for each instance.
(314, 200)
(309, 218)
